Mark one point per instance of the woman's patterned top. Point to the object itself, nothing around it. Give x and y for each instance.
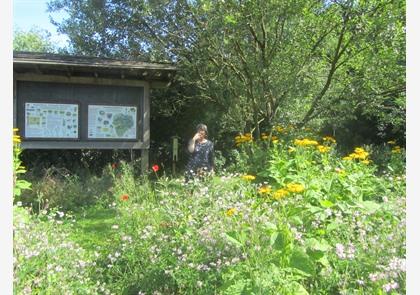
(202, 157)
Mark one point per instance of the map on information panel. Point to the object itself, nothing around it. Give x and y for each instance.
(113, 122)
(51, 120)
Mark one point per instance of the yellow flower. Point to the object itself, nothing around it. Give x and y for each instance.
(264, 137)
(329, 138)
(16, 139)
(275, 141)
(291, 149)
(365, 161)
(359, 153)
(396, 149)
(305, 142)
(243, 138)
(359, 150)
(248, 177)
(279, 129)
(323, 148)
(392, 142)
(230, 211)
(280, 193)
(295, 187)
(265, 189)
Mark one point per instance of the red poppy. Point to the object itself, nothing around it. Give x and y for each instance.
(155, 168)
(114, 165)
(124, 197)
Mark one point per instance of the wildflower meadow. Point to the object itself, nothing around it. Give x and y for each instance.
(290, 214)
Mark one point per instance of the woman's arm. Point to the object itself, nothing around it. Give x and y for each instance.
(191, 143)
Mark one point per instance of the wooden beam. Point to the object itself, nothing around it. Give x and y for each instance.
(50, 144)
(159, 84)
(79, 80)
(38, 69)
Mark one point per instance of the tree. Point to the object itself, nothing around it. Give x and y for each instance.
(258, 62)
(36, 39)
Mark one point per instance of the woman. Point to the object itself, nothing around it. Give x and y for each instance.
(201, 149)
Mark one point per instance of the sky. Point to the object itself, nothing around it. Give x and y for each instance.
(30, 13)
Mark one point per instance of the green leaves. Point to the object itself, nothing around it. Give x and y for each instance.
(236, 238)
(326, 203)
(19, 186)
(300, 260)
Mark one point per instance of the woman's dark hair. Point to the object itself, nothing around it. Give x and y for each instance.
(202, 127)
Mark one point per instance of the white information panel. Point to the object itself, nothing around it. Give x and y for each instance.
(113, 122)
(51, 120)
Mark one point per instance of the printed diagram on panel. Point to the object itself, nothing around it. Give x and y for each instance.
(112, 122)
(50, 120)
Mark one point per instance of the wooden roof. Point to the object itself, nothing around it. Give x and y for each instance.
(87, 66)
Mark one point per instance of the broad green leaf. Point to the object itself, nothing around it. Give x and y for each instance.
(281, 239)
(231, 236)
(368, 206)
(301, 261)
(317, 245)
(326, 203)
(317, 248)
(298, 289)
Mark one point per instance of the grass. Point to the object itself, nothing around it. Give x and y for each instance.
(93, 227)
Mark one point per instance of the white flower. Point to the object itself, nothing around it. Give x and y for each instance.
(114, 226)
(339, 250)
(350, 251)
(373, 277)
(390, 286)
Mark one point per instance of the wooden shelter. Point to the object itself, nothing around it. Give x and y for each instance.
(79, 102)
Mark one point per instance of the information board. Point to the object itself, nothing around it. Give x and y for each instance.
(51, 120)
(112, 122)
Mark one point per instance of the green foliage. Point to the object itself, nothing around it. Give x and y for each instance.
(310, 222)
(45, 260)
(36, 40)
(59, 188)
(18, 184)
(335, 59)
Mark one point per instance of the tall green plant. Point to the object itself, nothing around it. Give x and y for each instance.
(18, 184)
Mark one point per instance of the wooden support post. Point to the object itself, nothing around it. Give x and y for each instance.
(144, 160)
